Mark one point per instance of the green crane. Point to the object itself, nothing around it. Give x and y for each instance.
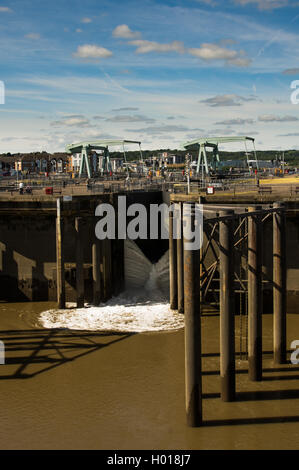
(86, 148)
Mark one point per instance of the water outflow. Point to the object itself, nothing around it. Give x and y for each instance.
(140, 273)
(143, 306)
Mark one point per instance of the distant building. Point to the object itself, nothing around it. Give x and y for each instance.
(25, 163)
(74, 161)
(175, 159)
(117, 164)
(166, 159)
(6, 164)
(39, 162)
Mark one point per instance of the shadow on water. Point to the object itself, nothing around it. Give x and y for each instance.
(259, 395)
(255, 396)
(240, 421)
(50, 348)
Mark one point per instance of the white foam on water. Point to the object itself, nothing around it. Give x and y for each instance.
(119, 314)
(143, 307)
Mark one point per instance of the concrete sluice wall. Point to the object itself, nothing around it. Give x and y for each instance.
(28, 258)
(28, 249)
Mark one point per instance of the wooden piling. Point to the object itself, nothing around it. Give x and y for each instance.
(255, 355)
(96, 270)
(279, 284)
(180, 265)
(79, 262)
(227, 308)
(60, 256)
(193, 379)
(173, 283)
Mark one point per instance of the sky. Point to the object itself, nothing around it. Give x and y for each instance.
(160, 71)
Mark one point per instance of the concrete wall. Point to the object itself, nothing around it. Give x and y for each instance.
(28, 257)
(28, 249)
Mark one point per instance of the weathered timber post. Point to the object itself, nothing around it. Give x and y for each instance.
(279, 284)
(255, 292)
(193, 379)
(180, 263)
(227, 308)
(96, 270)
(60, 256)
(173, 284)
(79, 262)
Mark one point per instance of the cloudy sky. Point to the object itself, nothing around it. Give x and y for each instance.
(160, 71)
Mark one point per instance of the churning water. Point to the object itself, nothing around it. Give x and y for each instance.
(143, 306)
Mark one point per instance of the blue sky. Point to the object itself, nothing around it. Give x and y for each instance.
(159, 71)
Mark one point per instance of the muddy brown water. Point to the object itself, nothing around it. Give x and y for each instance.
(64, 389)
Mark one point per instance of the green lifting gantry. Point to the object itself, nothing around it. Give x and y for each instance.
(86, 147)
(213, 142)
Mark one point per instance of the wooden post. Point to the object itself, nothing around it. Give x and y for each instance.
(279, 285)
(79, 262)
(193, 379)
(173, 284)
(180, 265)
(96, 270)
(227, 308)
(60, 257)
(255, 305)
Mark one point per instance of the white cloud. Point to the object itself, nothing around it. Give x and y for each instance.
(236, 121)
(291, 71)
(5, 10)
(123, 31)
(72, 121)
(266, 4)
(228, 100)
(86, 20)
(127, 118)
(292, 134)
(91, 51)
(222, 100)
(156, 130)
(206, 51)
(34, 36)
(125, 109)
(240, 62)
(220, 132)
(209, 51)
(144, 46)
(273, 118)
